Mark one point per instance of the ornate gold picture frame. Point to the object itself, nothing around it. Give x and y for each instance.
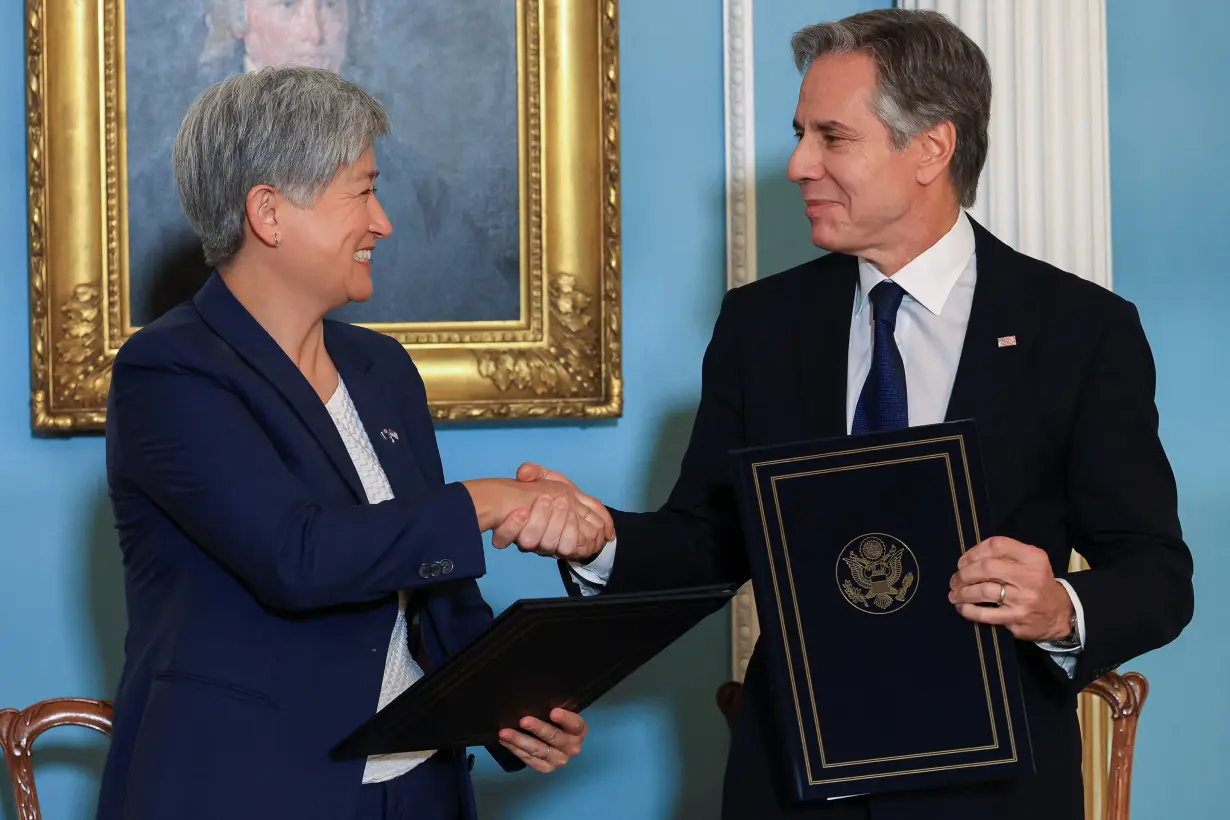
(559, 356)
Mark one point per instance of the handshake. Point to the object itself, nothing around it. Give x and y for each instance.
(541, 511)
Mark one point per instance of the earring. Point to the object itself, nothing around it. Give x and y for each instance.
(277, 240)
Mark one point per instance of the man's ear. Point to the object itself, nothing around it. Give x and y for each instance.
(935, 146)
(262, 211)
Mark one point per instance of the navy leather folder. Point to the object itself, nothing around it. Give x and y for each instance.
(536, 655)
(879, 685)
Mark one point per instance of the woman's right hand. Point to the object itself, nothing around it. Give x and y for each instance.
(578, 525)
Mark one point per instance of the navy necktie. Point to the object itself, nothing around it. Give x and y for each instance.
(882, 404)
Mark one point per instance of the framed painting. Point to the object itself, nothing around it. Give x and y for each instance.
(501, 178)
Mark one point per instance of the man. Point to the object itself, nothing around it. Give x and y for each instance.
(920, 315)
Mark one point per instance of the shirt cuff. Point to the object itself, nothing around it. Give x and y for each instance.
(598, 571)
(1080, 624)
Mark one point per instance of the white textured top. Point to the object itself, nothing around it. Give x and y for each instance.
(400, 670)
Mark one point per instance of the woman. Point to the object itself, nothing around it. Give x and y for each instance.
(293, 556)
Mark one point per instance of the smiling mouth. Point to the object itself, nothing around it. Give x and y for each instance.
(364, 255)
(814, 207)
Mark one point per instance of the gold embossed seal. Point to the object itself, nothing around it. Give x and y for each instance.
(877, 573)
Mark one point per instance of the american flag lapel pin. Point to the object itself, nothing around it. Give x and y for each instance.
(389, 435)
(1006, 341)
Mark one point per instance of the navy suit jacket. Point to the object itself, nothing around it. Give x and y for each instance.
(261, 586)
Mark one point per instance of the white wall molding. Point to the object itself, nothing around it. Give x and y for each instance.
(737, 18)
(740, 142)
(1045, 189)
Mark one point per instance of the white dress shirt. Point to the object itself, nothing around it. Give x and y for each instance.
(400, 670)
(930, 331)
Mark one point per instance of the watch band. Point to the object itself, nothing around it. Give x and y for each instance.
(1073, 639)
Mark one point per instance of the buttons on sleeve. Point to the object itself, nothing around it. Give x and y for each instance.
(436, 568)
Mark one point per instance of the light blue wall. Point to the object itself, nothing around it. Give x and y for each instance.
(658, 743)
(1170, 172)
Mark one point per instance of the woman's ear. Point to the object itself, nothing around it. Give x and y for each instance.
(262, 202)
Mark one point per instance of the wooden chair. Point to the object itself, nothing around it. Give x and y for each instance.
(19, 730)
(1125, 695)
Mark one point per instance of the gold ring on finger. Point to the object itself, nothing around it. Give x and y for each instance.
(1003, 591)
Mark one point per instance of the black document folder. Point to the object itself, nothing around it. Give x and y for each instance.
(878, 684)
(536, 655)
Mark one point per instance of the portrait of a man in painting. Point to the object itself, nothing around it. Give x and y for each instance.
(446, 70)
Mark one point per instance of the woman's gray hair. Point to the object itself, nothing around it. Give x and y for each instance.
(291, 128)
(928, 72)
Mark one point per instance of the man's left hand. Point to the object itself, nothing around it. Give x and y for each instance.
(546, 746)
(1034, 606)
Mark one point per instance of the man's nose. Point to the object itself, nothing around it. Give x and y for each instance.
(805, 164)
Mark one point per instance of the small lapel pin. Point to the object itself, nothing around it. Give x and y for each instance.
(388, 435)
(1006, 341)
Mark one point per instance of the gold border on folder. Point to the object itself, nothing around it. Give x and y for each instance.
(790, 661)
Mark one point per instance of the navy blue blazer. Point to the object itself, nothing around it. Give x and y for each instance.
(261, 586)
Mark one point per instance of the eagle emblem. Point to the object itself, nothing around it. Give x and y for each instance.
(877, 571)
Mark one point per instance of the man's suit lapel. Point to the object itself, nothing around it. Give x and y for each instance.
(1003, 325)
(371, 391)
(230, 320)
(822, 345)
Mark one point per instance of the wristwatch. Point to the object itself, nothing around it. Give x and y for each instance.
(1073, 640)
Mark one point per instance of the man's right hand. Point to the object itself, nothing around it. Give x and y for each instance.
(542, 527)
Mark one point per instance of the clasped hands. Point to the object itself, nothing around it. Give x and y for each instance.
(541, 511)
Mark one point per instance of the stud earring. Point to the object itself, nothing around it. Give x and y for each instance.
(277, 240)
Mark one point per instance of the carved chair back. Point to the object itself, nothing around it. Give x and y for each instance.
(19, 730)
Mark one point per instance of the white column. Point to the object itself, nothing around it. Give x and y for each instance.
(740, 143)
(1045, 189)
(740, 233)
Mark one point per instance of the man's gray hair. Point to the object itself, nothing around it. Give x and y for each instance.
(291, 128)
(928, 71)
